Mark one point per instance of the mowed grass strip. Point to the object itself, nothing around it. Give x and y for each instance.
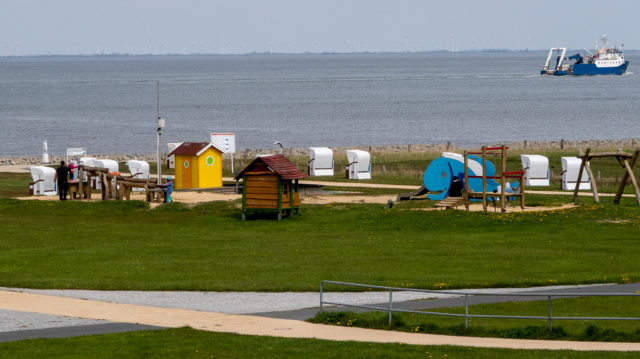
(190, 343)
(124, 245)
(577, 329)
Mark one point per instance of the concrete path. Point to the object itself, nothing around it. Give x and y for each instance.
(254, 325)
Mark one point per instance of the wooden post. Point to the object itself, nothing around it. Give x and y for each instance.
(484, 178)
(522, 191)
(80, 179)
(466, 180)
(120, 191)
(594, 186)
(103, 187)
(503, 200)
(114, 187)
(584, 159)
(629, 174)
(633, 179)
(244, 194)
(89, 185)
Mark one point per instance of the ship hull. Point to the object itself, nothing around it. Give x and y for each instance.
(591, 69)
(588, 70)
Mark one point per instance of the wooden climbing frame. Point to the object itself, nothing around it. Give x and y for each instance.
(504, 174)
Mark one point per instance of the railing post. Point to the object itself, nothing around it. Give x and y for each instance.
(466, 312)
(321, 285)
(390, 300)
(550, 316)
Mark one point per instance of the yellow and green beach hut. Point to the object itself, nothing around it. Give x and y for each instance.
(198, 165)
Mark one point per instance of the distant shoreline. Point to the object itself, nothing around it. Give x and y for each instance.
(627, 143)
(328, 53)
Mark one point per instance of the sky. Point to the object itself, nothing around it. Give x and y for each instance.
(74, 27)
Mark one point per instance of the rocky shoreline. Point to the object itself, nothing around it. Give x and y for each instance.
(251, 153)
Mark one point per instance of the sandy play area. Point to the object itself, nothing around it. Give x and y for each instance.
(194, 197)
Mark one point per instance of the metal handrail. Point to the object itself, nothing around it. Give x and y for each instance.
(549, 317)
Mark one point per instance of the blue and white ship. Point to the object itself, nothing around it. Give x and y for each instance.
(605, 61)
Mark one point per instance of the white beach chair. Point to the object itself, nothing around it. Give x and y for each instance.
(104, 163)
(43, 181)
(89, 162)
(570, 169)
(139, 169)
(358, 164)
(536, 170)
(320, 161)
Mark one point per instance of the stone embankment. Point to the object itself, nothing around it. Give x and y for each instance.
(251, 153)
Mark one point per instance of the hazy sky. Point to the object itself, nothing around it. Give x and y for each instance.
(29, 27)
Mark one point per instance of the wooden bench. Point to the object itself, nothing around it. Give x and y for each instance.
(450, 202)
(155, 194)
(83, 192)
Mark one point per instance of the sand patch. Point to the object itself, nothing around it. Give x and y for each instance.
(195, 197)
(477, 207)
(327, 199)
(44, 198)
(190, 197)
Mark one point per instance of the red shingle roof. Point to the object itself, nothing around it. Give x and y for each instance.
(191, 148)
(188, 148)
(278, 164)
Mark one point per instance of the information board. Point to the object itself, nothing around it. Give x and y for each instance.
(226, 142)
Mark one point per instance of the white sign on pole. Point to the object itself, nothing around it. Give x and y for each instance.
(226, 142)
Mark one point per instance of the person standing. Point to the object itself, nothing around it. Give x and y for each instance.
(62, 176)
(169, 185)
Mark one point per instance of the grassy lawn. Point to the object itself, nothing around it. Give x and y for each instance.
(124, 245)
(189, 343)
(584, 330)
(14, 184)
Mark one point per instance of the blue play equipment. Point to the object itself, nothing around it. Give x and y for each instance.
(439, 175)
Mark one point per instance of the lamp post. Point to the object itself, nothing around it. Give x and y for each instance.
(160, 127)
(279, 144)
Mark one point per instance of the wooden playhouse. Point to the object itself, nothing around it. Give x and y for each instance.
(197, 165)
(270, 183)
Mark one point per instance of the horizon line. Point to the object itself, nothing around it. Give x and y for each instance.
(256, 53)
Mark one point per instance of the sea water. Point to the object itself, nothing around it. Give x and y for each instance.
(110, 104)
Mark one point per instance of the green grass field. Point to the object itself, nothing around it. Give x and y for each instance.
(124, 245)
(189, 343)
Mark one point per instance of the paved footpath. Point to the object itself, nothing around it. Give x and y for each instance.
(13, 300)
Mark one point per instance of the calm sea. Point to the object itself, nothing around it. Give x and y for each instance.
(108, 104)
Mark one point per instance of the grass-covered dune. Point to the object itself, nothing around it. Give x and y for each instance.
(124, 245)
